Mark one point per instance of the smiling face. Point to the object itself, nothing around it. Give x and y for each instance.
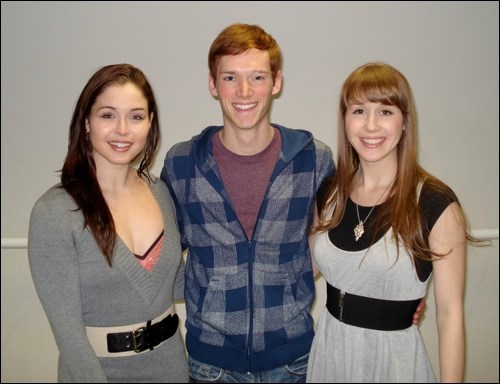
(374, 131)
(245, 88)
(118, 125)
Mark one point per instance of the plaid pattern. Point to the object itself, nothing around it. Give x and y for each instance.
(247, 300)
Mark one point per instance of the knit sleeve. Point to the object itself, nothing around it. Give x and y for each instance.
(54, 268)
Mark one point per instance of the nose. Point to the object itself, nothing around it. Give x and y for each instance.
(122, 126)
(371, 122)
(244, 88)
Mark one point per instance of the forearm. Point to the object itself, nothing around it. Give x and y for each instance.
(448, 238)
(451, 348)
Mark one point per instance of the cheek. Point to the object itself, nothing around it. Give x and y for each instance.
(266, 91)
(93, 136)
(350, 128)
(396, 139)
(222, 91)
(143, 136)
(398, 131)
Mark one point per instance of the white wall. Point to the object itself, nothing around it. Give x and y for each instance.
(448, 51)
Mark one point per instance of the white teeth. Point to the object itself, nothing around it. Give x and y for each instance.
(119, 144)
(245, 106)
(372, 141)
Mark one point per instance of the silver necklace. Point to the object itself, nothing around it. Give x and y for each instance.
(360, 228)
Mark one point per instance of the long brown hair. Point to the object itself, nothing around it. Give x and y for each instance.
(78, 175)
(238, 38)
(381, 83)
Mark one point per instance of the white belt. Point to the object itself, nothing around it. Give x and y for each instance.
(98, 335)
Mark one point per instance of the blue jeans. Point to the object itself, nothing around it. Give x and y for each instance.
(290, 373)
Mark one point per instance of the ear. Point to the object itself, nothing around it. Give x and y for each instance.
(151, 115)
(87, 126)
(211, 86)
(277, 83)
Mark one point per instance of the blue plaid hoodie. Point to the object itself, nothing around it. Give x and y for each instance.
(247, 300)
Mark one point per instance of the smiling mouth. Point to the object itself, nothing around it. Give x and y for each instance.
(244, 107)
(120, 145)
(372, 141)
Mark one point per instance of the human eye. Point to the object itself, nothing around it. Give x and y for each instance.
(228, 78)
(388, 110)
(137, 114)
(107, 115)
(137, 117)
(356, 110)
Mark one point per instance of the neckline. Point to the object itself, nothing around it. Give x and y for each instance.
(366, 207)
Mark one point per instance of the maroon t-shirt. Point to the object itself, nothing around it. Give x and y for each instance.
(246, 178)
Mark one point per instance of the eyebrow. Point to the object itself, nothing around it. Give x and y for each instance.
(114, 108)
(254, 71)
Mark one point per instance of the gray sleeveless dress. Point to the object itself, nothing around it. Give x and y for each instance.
(344, 353)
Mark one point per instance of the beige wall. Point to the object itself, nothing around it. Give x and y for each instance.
(449, 52)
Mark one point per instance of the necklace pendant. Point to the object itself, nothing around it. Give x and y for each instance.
(359, 230)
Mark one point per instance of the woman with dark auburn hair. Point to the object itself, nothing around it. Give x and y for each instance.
(104, 247)
(385, 226)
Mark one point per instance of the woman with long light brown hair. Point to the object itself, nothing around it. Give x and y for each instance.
(384, 226)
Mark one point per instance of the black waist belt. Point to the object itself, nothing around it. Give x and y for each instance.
(143, 338)
(365, 312)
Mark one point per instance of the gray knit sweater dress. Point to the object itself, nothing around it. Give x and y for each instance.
(78, 289)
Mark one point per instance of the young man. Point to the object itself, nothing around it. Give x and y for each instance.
(244, 194)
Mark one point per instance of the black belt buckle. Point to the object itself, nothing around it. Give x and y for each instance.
(137, 333)
(146, 337)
